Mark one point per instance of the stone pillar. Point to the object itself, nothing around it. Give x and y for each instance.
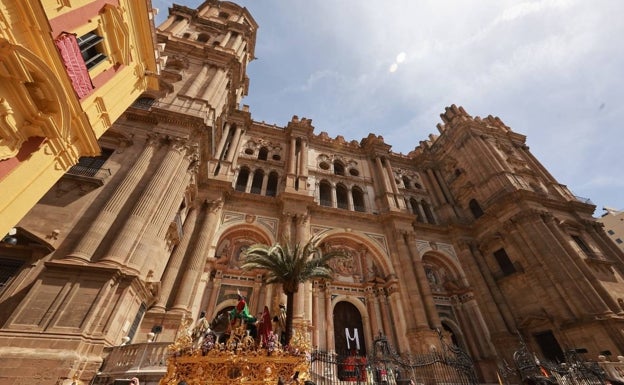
(480, 327)
(372, 311)
(250, 181)
(412, 294)
(167, 23)
(293, 156)
(265, 181)
(501, 320)
(398, 313)
(179, 26)
(600, 297)
(421, 277)
(100, 225)
(421, 212)
(224, 136)
(390, 176)
(436, 187)
(197, 259)
(226, 39)
(121, 249)
(445, 190)
(302, 222)
(350, 200)
(303, 159)
(147, 251)
(234, 144)
(329, 319)
(388, 329)
(216, 287)
(316, 312)
(175, 262)
(334, 197)
(213, 86)
(382, 175)
(286, 225)
(197, 82)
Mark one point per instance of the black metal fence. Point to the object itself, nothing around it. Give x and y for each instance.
(573, 370)
(385, 367)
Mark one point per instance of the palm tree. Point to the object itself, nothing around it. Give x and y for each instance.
(290, 266)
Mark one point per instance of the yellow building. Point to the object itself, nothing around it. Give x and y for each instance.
(67, 71)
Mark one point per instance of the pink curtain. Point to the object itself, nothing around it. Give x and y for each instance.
(74, 64)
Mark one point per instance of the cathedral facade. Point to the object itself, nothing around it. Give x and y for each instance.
(467, 238)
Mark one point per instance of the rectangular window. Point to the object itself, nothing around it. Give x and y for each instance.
(611, 232)
(91, 49)
(549, 346)
(618, 241)
(137, 321)
(8, 270)
(505, 264)
(90, 165)
(582, 245)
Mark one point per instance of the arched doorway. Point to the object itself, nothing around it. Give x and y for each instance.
(348, 330)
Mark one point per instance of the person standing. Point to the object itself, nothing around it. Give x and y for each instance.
(264, 326)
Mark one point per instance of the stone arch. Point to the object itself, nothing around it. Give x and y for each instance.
(377, 254)
(235, 235)
(455, 273)
(361, 307)
(451, 326)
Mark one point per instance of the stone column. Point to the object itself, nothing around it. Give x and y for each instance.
(382, 175)
(197, 259)
(316, 319)
(303, 159)
(100, 225)
(334, 197)
(265, 181)
(421, 277)
(234, 144)
(302, 222)
(390, 176)
(179, 26)
(350, 199)
(197, 82)
(329, 319)
(421, 212)
(122, 247)
(226, 39)
(175, 262)
(372, 312)
(412, 294)
(480, 327)
(213, 86)
(398, 313)
(167, 23)
(436, 187)
(250, 181)
(293, 156)
(154, 234)
(216, 285)
(388, 329)
(224, 136)
(286, 224)
(501, 320)
(600, 297)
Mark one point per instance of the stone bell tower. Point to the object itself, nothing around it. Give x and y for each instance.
(547, 266)
(208, 50)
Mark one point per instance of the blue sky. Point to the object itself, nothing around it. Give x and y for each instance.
(551, 70)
